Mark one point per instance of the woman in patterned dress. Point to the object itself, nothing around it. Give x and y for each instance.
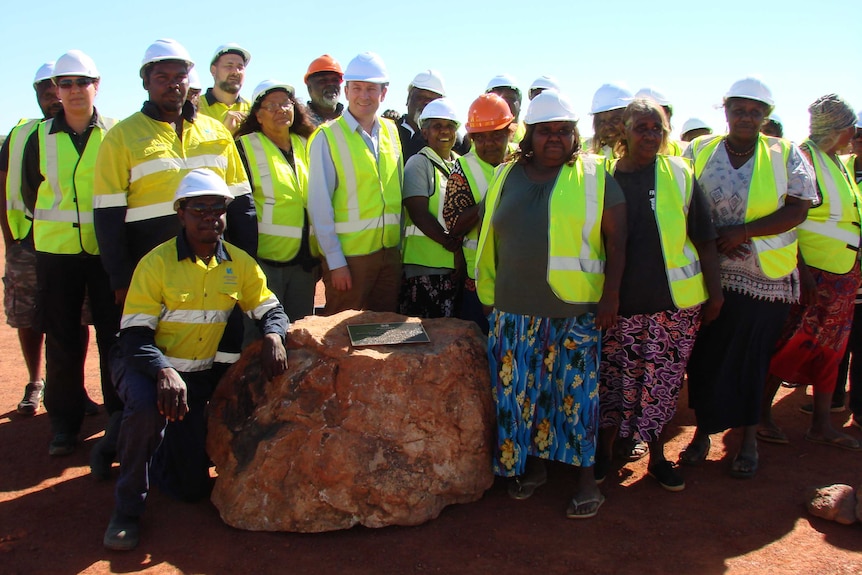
(551, 298)
(671, 251)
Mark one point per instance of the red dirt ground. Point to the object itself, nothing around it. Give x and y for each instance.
(53, 516)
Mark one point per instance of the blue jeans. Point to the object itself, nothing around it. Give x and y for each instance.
(150, 448)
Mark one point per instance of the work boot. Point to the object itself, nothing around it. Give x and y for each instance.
(33, 393)
(104, 452)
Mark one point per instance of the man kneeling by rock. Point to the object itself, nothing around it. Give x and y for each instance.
(175, 313)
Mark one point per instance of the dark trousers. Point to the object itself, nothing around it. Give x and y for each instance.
(854, 366)
(170, 454)
(62, 281)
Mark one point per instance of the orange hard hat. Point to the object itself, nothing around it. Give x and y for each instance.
(487, 113)
(325, 63)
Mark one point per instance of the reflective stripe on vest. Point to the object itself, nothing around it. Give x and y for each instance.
(673, 192)
(575, 268)
(367, 199)
(279, 195)
(418, 248)
(776, 254)
(829, 237)
(478, 174)
(63, 218)
(20, 218)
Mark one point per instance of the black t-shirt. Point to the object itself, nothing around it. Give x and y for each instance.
(644, 288)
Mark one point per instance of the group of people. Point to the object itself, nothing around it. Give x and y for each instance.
(603, 269)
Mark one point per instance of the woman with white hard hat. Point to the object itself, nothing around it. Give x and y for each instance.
(431, 285)
(812, 344)
(551, 298)
(692, 128)
(607, 107)
(671, 147)
(758, 189)
(670, 285)
(272, 145)
(490, 125)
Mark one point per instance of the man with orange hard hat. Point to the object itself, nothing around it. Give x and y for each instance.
(323, 80)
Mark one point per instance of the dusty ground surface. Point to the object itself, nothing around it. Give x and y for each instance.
(53, 515)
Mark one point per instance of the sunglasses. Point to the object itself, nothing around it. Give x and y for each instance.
(204, 210)
(67, 83)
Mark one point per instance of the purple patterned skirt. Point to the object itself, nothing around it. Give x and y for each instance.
(643, 363)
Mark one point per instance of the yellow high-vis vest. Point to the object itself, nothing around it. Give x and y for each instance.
(674, 187)
(777, 253)
(17, 214)
(143, 161)
(829, 237)
(63, 218)
(418, 248)
(367, 199)
(576, 251)
(478, 174)
(280, 194)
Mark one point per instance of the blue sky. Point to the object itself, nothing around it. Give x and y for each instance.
(692, 51)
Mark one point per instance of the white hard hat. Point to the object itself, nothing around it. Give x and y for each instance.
(430, 80)
(693, 124)
(367, 67)
(651, 93)
(440, 108)
(267, 86)
(195, 80)
(166, 49)
(550, 106)
(201, 182)
(502, 81)
(232, 48)
(775, 118)
(75, 63)
(751, 88)
(545, 83)
(45, 72)
(859, 120)
(610, 97)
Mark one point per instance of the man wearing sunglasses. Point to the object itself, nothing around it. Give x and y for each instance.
(176, 310)
(57, 188)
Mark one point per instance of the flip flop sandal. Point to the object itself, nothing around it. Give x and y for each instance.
(523, 486)
(772, 435)
(744, 466)
(841, 442)
(574, 509)
(693, 456)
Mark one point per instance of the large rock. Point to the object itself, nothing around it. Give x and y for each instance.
(834, 502)
(374, 436)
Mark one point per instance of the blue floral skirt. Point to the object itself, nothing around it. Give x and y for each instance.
(545, 374)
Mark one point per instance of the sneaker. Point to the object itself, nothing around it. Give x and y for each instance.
(123, 532)
(808, 408)
(667, 476)
(62, 444)
(33, 393)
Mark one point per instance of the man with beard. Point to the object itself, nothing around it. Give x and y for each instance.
(323, 80)
(223, 101)
(17, 224)
(140, 165)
